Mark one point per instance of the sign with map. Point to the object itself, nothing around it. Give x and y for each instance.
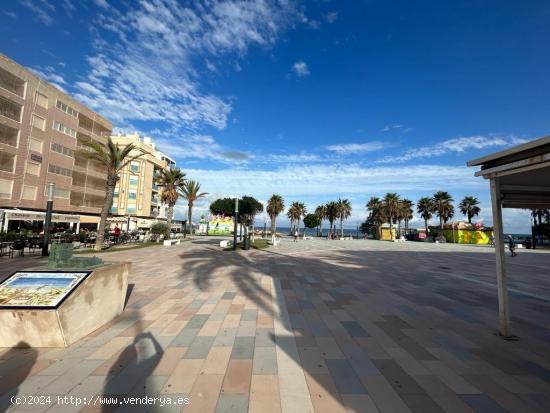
(39, 289)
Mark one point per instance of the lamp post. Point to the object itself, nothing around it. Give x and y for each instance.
(235, 224)
(48, 219)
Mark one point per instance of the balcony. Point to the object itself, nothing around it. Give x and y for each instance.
(12, 83)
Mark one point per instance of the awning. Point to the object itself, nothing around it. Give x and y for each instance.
(87, 219)
(22, 215)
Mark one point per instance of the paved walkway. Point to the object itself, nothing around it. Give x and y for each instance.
(323, 326)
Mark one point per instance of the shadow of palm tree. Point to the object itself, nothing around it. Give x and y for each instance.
(351, 298)
(15, 366)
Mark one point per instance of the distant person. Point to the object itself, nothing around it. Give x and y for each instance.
(116, 233)
(512, 246)
(295, 235)
(491, 240)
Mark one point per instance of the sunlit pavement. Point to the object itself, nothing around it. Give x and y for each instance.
(317, 325)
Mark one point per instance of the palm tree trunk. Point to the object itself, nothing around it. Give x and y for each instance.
(169, 216)
(109, 191)
(426, 225)
(469, 218)
(341, 227)
(391, 230)
(320, 228)
(273, 228)
(190, 217)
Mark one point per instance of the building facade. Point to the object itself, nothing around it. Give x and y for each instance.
(41, 131)
(136, 195)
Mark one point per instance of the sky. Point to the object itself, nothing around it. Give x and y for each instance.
(311, 100)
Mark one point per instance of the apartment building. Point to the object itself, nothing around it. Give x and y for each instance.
(41, 130)
(136, 194)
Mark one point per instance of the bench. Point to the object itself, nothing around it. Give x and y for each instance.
(169, 242)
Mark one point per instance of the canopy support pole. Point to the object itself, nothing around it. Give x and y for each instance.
(502, 283)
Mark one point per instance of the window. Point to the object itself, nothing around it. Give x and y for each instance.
(5, 188)
(132, 195)
(115, 194)
(7, 162)
(8, 136)
(66, 108)
(29, 192)
(133, 181)
(64, 129)
(62, 149)
(59, 193)
(33, 168)
(38, 122)
(131, 208)
(10, 109)
(41, 100)
(35, 145)
(59, 170)
(134, 166)
(114, 209)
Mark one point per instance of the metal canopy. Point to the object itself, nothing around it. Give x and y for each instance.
(519, 178)
(523, 173)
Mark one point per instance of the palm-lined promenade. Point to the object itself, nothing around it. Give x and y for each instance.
(351, 326)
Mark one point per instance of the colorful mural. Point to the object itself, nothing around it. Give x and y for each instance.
(38, 289)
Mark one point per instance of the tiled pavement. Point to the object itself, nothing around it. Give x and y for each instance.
(324, 326)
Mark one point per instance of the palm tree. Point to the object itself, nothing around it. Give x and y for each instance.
(114, 159)
(172, 181)
(443, 207)
(344, 212)
(469, 207)
(321, 213)
(332, 213)
(275, 205)
(391, 207)
(190, 192)
(375, 208)
(407, 212)
(296, 211)
(425, 207)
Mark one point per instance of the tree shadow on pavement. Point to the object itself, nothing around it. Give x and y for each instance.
(357, 315)
(15, 366)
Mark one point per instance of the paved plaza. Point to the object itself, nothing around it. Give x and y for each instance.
(313, 326)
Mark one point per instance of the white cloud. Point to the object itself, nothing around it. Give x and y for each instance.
(149, 73)
(50, 74)
(300, 69)
(391, 127)
(102, 3)
(455, 145)
(321, 180)
(41, 8)
(332, 16)
(10, 14)
(352, 148)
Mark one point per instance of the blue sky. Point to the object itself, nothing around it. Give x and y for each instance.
(311, 100)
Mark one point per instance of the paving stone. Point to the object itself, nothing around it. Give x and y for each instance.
(482, 403)
(200, 347)
(232, 403)
(344, 377)
(354, 329)
(243, 348)
(265, 361)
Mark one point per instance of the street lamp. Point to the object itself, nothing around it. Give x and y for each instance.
(48, 220)
(235, 224)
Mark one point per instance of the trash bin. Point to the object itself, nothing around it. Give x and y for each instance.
(528, 243)
(246, 242)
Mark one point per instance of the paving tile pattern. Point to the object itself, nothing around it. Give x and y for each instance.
(313, 326)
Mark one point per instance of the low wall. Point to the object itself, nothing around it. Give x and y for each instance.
(96, 301)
